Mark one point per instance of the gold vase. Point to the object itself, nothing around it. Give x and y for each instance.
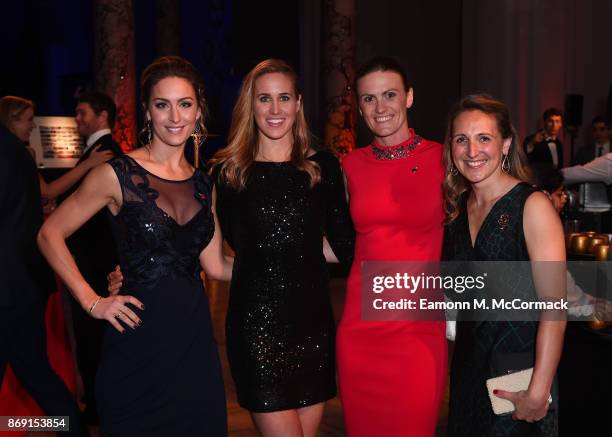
(568, 239)
(579, 243)
(594, 241)
(601, 252)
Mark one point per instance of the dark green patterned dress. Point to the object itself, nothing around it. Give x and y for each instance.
(500, 238)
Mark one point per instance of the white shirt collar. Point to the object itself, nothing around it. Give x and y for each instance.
(605, 147)
(95, 137)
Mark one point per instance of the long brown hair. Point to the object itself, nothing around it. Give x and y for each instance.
(455, 185)
(236, 159)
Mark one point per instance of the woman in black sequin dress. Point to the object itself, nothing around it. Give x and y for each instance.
(495, 216)
(277, 198)
(160, 373)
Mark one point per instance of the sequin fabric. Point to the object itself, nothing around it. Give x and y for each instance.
(162, 225)
(280, 329)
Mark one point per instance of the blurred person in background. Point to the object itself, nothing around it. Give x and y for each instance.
(545, 145)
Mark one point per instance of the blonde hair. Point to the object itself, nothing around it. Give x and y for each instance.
(11, 108)
(236, 159)
(455, 185)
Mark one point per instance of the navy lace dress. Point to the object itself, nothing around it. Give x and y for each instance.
(164, 377)
(477, 344)
(280, 326)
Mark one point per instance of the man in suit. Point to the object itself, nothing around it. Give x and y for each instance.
(23, 342)
(92, 245)
(600, 145)
(544, 145)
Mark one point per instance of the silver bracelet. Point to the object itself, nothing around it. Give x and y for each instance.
(94, 304)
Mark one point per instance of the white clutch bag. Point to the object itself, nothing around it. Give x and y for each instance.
(516, 381)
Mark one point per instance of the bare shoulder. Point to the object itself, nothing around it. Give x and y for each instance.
(101, 181)
(540, 216)
(543, 229)
(538, 203)
(102, 173)
(139, 154)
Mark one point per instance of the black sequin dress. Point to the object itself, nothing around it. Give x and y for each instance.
(280, 328)
(500, 238)
(164, 377)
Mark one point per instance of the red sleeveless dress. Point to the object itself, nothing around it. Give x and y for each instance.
(392, 374)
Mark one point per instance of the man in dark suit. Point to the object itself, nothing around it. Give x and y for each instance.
(23, 342)
(600, 145)
(92, 245)
(544, 145)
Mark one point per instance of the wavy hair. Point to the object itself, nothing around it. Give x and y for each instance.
(455, 185)
(234, 161)
(11, 108)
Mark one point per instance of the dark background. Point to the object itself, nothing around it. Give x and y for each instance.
(529, 53)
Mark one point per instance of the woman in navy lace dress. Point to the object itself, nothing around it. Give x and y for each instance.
(160, 372)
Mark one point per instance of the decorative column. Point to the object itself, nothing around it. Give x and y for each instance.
(167, 28)
(339, 50)
(114, 64)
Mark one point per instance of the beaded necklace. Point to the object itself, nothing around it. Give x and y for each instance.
(396, 152)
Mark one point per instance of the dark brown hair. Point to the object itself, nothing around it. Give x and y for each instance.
(382, 63)
(99, 102)
(173, 66)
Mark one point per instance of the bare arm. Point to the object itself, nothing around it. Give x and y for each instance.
(216, 265)
(99, 189)
(545, 244)
(59, 186)
(329, 254)
(598, 170)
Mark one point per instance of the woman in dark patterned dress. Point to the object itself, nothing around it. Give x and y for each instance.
(493, 215)
(277, 199)
(160, 373)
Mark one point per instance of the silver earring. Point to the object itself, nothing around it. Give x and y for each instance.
(506, 164)
(453, 170)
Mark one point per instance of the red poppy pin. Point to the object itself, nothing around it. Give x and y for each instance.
(503, 221)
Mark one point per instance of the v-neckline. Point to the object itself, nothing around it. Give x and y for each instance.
(161, 210)
(474, 242)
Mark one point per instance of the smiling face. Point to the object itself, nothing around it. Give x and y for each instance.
(275, 106)
(383, 101)
(173, 111)
(88, 122)
(22, 126)
(477, 146)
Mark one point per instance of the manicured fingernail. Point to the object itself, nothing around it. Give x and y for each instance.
(142, 307)
(495, 392)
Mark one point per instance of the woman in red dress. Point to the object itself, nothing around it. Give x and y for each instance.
(392, 374)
